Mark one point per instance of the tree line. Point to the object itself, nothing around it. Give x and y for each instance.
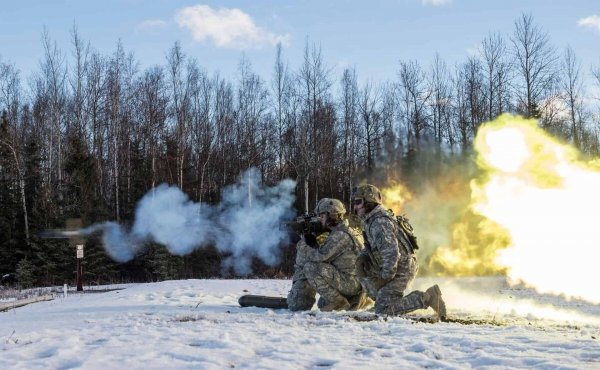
(87, 135)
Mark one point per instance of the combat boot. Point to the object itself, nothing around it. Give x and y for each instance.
(435, 301)
(360, 302)
(339, 304)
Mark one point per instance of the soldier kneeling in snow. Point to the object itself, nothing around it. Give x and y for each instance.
(388, 264)
(328, 269)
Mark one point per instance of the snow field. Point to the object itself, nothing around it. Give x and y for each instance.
(197, 324)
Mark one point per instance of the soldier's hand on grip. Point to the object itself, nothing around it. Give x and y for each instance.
(310, 240)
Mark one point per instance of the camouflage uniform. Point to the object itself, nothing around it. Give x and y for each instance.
(301, 296)
(328, 270)
(388, 265)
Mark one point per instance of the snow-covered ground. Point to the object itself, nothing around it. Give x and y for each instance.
(198, 324)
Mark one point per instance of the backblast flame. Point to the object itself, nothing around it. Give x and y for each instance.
(395, 195)
(547, 200)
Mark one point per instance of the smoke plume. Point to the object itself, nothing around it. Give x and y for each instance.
(249, 216)
(245, 224)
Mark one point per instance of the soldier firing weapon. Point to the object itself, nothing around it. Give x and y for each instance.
(307, 226)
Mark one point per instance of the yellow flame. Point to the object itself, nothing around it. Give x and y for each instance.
(474, 248)
(395, 195)
(453, 241)
(547, 200)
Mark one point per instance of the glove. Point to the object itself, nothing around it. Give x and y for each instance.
(310, 240)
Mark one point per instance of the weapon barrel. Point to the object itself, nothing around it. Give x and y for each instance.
(292, 226)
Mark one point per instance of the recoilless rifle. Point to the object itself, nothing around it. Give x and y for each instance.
(308, 226)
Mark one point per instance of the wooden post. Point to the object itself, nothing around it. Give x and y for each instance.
(77, 242)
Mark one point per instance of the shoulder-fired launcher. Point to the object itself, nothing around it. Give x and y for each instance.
(307, 223)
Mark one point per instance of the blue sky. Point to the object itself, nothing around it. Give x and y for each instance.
(371, 35)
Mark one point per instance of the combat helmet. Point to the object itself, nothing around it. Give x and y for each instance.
(331, 206)
(367, 192)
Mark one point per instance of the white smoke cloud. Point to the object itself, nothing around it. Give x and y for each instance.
(120, 245)
(167, 216)
(592, 21)
(227, 28)
(250, 217)
(245, 224)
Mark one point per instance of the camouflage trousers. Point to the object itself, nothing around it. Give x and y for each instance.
(322, 278)
(389, 295)
(302, 296)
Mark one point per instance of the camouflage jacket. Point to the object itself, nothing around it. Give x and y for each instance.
(382, 242)
(340, 249)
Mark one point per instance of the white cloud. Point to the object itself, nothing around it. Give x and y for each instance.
(149, 24)
(592, 21)
(435, 2)
(227, 28)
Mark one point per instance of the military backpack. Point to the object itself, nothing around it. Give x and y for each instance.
(406, 233)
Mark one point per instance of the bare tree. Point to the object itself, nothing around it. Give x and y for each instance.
(9, 102)
(80, 54)
(180, 100)
(475, 96)
(372, 127)
(119, 102)
(54, 74)
(152, 101)
(496, 67)
(95, 95)
(413, 97)
(595, 70)
(314, 79)
(225, 129)
(440, 101)
(349, 129)
(280, 93)
(202, 130)
(10, 90)
(461, 127)
(251, 108)
(596, 73)
(572, 86)
(535, 61)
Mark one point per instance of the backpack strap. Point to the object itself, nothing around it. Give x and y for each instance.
(346, 230)
(400, 235)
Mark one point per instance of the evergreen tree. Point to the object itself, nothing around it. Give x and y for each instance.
(164, 266)
(9, 251)
(25, 273)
